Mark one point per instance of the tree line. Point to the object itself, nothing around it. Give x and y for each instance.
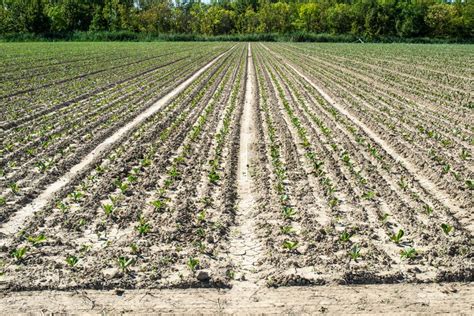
(368, 18)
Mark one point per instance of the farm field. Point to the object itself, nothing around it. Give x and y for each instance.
(235, 166)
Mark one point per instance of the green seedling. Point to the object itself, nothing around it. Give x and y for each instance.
(288, 212)
(9, 147)
(108, 209)
(470, 184)
(369, 195)
(287, 230)
(76, 196)
(122, 186)
(124, 263)
(159, 205)
(290, 245)
(333, 202)
(403, 184)
(173, 173)
(213, 177)
(143, 227)
(36, 240)
(3, 201)
(145, 162)
(14, 188)
(446, 168)
(72, 260)
(408, 253)
(345, 236)
(201, 216)
(19, 253)
(464, 154)
(132, 178)
(428, 209)
(193, 263)
(447, 228)
(354, 253)
(201, 232)
(85, 248)
(99, 169)
(396, 238)
(62, 206)
(284, 198)
(43, 166)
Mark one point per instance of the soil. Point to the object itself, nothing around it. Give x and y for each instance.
(422, 299)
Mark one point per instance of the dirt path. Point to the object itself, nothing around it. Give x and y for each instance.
(244, 245)
(17, 220)
(424, 299)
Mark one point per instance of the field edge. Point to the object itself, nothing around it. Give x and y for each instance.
(430, 298)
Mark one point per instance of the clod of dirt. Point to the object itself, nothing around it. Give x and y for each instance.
(203, 275)
(111, 273)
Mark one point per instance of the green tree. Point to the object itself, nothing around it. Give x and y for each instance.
(275, 17)
(441, 19)
(309, 17)
(339, 18)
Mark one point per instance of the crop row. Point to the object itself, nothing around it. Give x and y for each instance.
(157, 207)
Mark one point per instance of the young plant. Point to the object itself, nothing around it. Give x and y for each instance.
(288, 212)
(143, 227)
(173, 173)
(447, 228)
(446, 168)
(71, 260)
(345, 236)
(145, 162)
(132, 178)
(201, 232)
(403, 184)
(290, 245)
(122, 186)
(108, 209)
(201, 216)
(36, 240)
(62, 206)
(15, 188)
(470, 184)
(428, 209)
(354, 253)
(3, 201)
(287, 230)
(159, 204)
(213, 176)
(396, 238)
(76, 196)
(464, 154)
(124, 263)
(193, 263)
(19, 253)
(408, 253)
(369, 195)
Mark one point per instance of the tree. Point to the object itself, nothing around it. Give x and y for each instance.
(247, 22)
(309, 17)
(339, 18)
(275, 17)
(440, 18)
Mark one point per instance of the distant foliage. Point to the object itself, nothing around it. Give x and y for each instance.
(360, 18)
